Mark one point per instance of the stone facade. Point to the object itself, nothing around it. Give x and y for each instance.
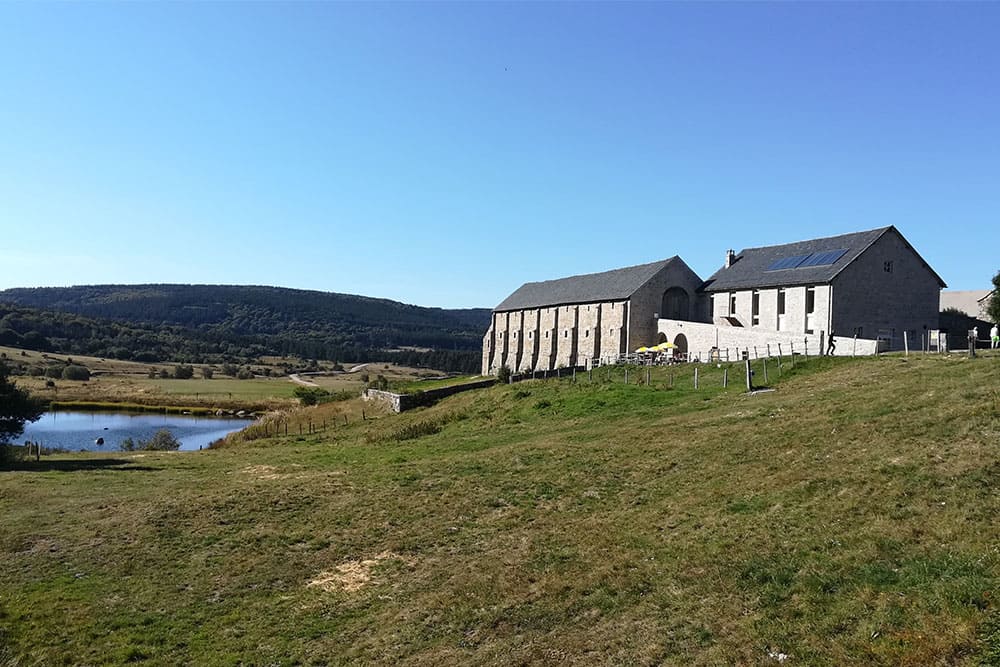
(886, 291)
(801, 312)
(573, 334)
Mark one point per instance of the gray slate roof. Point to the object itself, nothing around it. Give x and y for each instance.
(749, 271)
(606, 286)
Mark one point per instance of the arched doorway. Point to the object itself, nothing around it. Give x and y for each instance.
(662, 338)
(680, 344)
(675, 304)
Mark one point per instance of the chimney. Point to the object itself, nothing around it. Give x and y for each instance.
(730, 258)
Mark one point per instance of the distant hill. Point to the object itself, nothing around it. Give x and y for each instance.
(238, 321)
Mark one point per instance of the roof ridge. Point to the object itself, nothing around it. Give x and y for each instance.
(822, 238)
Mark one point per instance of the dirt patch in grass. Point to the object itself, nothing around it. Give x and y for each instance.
(353, 575)
(263, 472)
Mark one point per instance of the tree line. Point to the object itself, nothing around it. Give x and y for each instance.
(67, 333)
(324, 318)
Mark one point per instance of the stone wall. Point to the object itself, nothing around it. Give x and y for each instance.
(885, 303)
(566, 336)
(542, 339)
(403, 402)
(701, 338)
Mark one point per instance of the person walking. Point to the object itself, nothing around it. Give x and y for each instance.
(994, 337)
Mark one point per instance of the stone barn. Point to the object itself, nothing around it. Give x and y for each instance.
(567, 322)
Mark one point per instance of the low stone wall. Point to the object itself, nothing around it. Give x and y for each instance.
(404, 402)
(756, 342)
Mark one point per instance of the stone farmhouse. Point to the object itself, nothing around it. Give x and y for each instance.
(869, 289)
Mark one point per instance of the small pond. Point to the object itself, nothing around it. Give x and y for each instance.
(77, 431)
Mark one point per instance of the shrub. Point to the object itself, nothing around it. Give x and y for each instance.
(10, 454)
(503, 375)
(76, 372)
(183, 372)
(244, 374)
(207, 372)
(310, 395)
(164, 373)
(54, 372)
(162, 441)
(230, 369)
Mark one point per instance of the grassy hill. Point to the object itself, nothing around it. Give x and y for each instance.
(144, 322)
(849, 517)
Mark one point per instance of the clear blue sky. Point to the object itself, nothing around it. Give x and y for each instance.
(444, 153)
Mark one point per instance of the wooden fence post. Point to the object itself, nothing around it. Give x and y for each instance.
(695, 377)
(906, 344)
(725, 376)
(749, 376)
(765, 371)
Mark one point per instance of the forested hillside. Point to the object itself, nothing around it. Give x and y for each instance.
(209, 322)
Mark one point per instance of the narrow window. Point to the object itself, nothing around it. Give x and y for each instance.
(755, 309)
(887, 267)
(732, 303)
(810, 308)
(586, 333)
(566, 333)
(546, 334)
(781, 309)
(859, 332)
(530, 334)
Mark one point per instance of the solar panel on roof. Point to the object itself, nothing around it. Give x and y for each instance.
(787, 262)
(823, 258)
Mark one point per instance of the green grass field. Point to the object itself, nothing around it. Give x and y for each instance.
(848, 517)
(258, 388)
(410, 386)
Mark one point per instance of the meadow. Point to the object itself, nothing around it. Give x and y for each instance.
(847, 517)
(115, 382)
